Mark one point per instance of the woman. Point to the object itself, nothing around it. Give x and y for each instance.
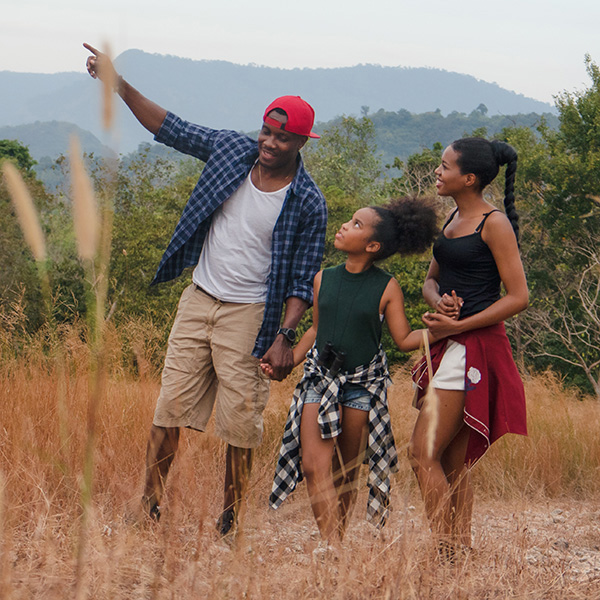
(480, 394)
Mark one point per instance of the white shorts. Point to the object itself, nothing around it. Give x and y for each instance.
(451, 372)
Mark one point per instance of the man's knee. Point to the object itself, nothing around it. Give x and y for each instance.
(163, 439)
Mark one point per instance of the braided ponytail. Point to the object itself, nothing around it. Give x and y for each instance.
(507, 155)
(484, 158)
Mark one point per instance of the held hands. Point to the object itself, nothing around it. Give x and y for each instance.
(440, 326)
(444, 322)
(99, 66)
(278, 361)
(450, 305)
(267, 369)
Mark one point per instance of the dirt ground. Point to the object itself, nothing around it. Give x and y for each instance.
(547, 550)
(558, 536)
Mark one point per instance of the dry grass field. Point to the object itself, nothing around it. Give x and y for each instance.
(536, 521)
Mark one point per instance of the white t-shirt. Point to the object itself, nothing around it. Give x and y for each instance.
(236, 256)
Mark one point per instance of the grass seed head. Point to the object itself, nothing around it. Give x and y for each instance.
(85, 212)
(109, 83)
(25, 210)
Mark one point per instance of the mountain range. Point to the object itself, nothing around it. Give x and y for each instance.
(43, 107)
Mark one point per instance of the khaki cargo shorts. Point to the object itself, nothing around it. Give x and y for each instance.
(209, 363)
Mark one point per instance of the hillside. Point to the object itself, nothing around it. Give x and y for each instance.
(51, 138)
(400, 134)
(223, 94)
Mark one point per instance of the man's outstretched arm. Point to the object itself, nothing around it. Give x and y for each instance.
(149, 114)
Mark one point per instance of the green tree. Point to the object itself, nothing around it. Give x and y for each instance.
(152, 192)
(418, 173)
(560, 177)
(18, 274)
(483, 109)
(15, 151)
(572, 175)
(346, 158)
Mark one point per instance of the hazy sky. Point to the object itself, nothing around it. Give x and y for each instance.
(532, 47)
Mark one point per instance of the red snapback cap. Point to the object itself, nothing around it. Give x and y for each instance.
(300, 115)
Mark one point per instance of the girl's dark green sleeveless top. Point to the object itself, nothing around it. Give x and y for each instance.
(349, 313)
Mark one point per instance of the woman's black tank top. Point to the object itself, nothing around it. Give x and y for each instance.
(468, 267)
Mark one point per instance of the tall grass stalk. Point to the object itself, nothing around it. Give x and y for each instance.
(25, 210)
(430, 401)
(93, 241)
(32, 231)
(109, 84)
(85, 210)
(30, 225)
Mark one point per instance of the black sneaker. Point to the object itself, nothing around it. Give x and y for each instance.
(151, 508)
(226, 523)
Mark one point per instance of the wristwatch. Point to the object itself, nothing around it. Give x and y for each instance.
(288, 334)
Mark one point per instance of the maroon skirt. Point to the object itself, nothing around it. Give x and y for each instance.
(494, 394)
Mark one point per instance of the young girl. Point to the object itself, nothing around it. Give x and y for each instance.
(341, 399)
(479, 390)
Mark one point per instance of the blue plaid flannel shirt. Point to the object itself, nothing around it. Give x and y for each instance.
(298, 235)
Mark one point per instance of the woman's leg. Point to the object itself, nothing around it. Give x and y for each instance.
(459, 478)
(351, 444)
(316, 466)
(433, 479)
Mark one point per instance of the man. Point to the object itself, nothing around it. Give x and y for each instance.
(254, 228)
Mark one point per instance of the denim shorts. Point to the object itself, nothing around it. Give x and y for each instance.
(351, 396)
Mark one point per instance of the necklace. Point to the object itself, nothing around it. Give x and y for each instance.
(285, 180)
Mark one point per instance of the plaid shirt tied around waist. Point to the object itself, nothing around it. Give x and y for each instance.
(298, 235)
(380, 457)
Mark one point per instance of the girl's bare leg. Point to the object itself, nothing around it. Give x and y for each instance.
(351, 443)
(316, 466)
(433, 479)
